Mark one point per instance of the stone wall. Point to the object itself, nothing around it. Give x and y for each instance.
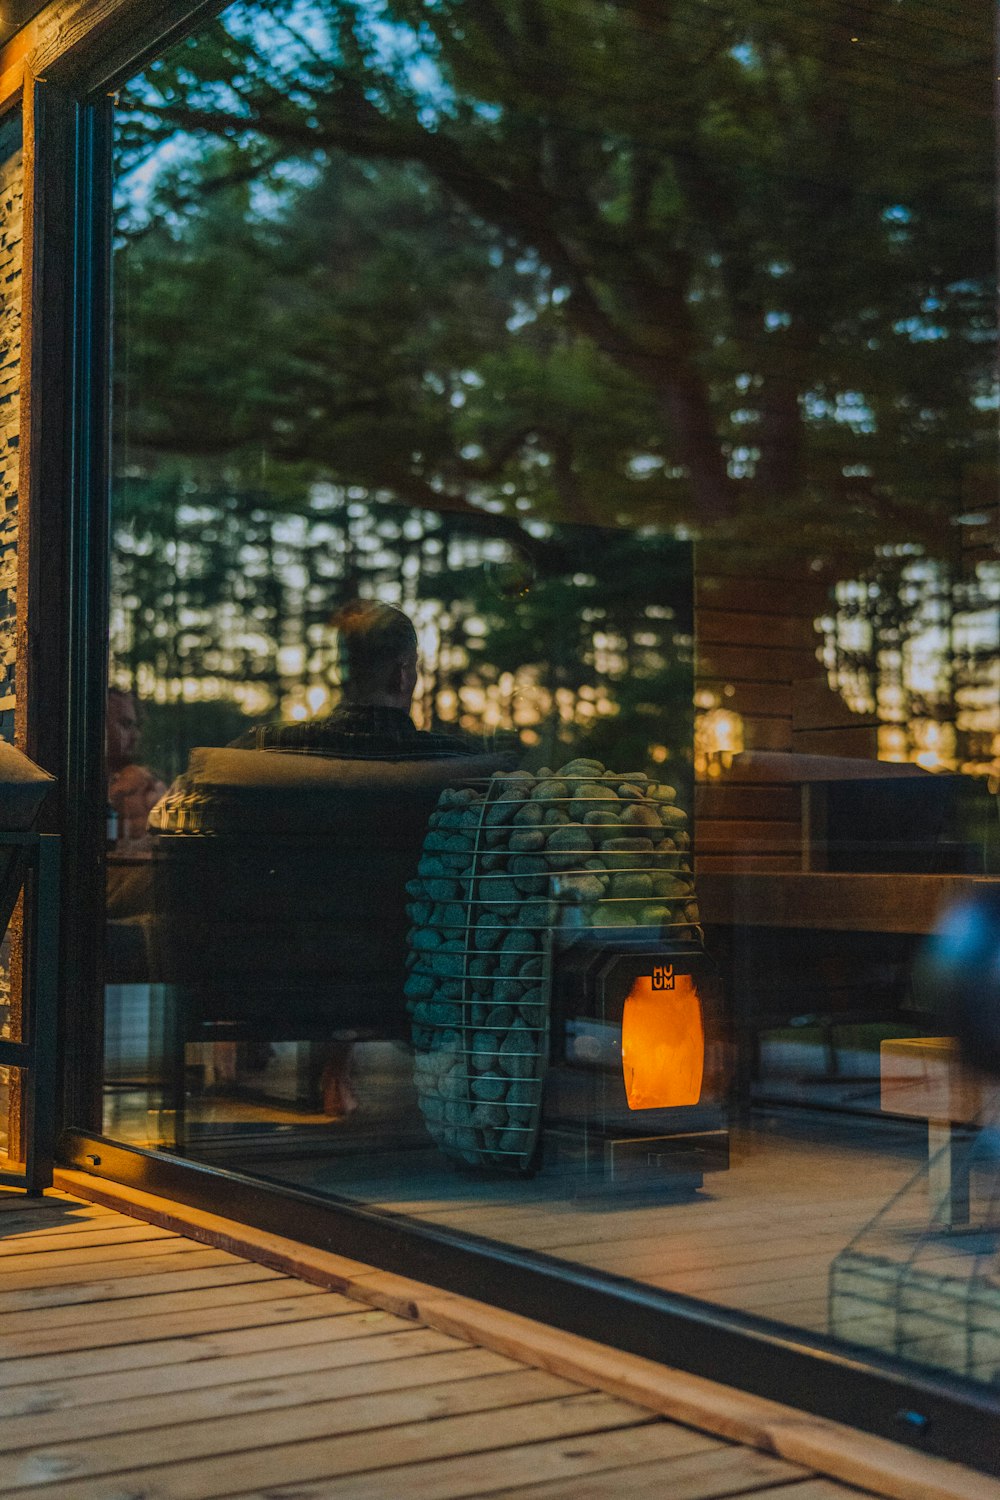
(11, 219)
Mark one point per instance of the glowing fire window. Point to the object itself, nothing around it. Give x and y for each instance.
(663, 1042)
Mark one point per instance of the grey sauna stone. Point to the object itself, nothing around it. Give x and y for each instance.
(528, 816)
(510, 962)
(641, 817)
(489, 1087)
(418, 985)
(426, 938)
(500, 1017)
(497, 889)
(485, 1045)
(582, 887)
(581, 766)
(522, 1094)
(585, 795)
(489, 1114)
(451, 1085)
(530, 872)
(565, 846)
(518, 1052)
(448, 960)
(599, 818)
(552, 790)
(631, 884)
(611, 914)
(671, 816)
(527, 840)
(489, 932)
(441, 1014)
(501, 812)
(507, 991)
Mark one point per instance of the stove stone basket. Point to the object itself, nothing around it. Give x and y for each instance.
(510, 872)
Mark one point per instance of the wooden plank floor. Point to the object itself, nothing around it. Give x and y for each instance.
(137, 1365)
(759, 1237)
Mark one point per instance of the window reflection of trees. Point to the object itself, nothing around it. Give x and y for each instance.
(916, 641)
(577, 638)
(694, 267)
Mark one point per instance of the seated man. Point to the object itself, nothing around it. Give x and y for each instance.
(377, 661)
(377, 658)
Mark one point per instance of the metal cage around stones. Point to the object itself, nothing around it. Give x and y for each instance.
(509, 871)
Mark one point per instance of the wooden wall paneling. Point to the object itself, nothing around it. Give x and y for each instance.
(769, 835)
(759, 596)
(729, 800)
(769, 629)
(860, 741)
(830, 902)
(816, 706)
(753, 663)
(761, 700)
(737, 863)
(766, 734)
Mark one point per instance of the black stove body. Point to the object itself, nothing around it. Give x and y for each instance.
(636, 1087)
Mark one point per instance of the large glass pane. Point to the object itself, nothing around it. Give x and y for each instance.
(555, 575)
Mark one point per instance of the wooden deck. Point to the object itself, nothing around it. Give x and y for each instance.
(136, 1364)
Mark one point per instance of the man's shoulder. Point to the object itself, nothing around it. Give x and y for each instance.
(354, 735)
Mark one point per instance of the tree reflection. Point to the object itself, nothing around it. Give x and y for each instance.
(721, 270)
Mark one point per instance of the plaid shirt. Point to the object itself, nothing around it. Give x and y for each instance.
(359, 732)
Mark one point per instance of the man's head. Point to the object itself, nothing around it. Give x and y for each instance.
(123, 728)
(377, 654)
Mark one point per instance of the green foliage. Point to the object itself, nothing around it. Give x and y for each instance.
(729, 268)
(503, 248)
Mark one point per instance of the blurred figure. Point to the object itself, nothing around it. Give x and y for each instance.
(133, 790)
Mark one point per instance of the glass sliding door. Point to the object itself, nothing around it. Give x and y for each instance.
(555, 680)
